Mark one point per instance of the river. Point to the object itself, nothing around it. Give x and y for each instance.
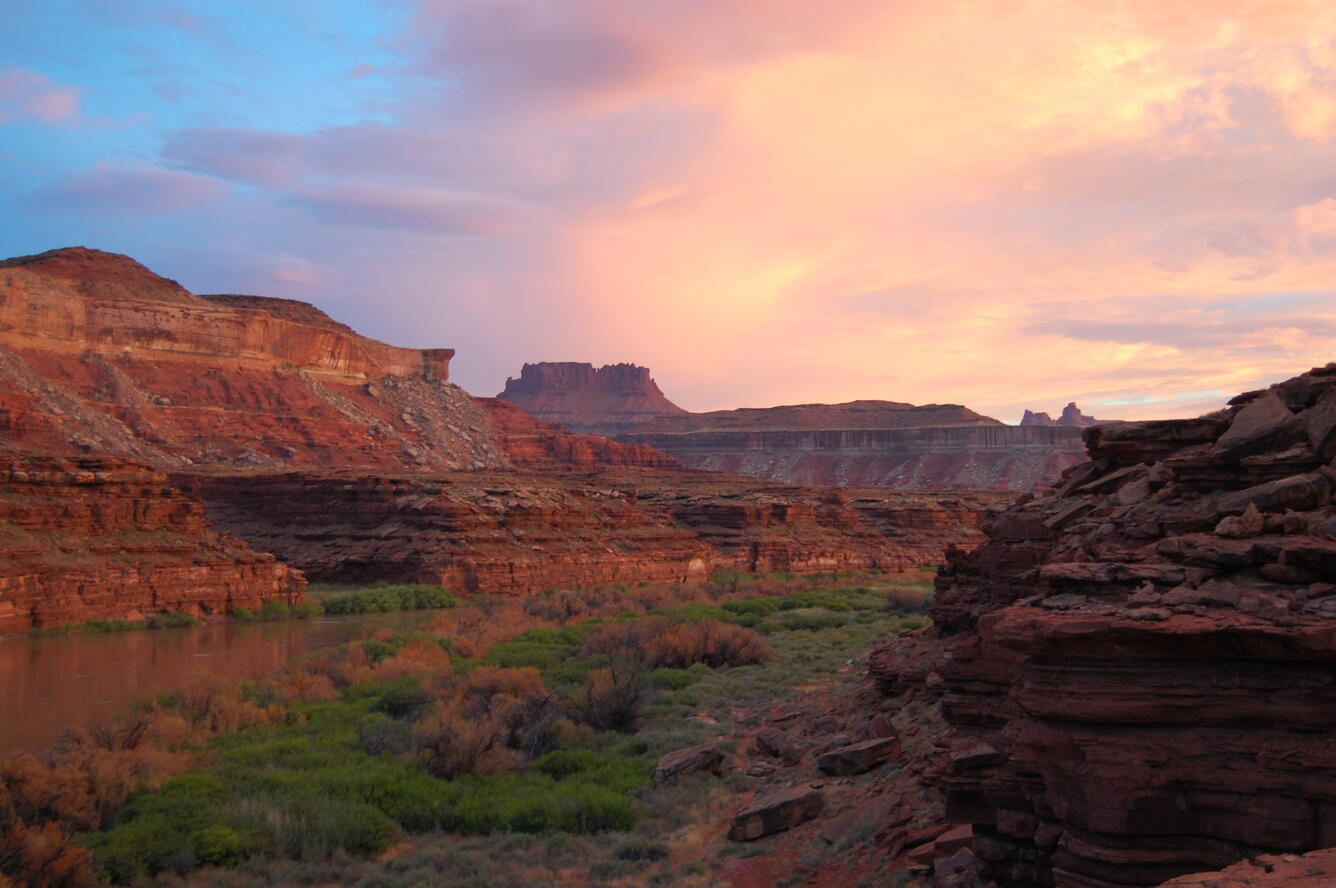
(54, 682)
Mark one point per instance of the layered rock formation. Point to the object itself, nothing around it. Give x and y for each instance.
(1071, 416)
(611, 400)
(86, 539)
(816, 417)
(980, 457)
(526, 532)
(857, 444)
(100, 356)
(360, 461)
(1141, 681)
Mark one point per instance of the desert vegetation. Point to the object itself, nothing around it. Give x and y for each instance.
(500, 718)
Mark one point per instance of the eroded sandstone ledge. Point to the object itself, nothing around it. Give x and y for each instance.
(100, 539)
(1143, 677)
(524, 531)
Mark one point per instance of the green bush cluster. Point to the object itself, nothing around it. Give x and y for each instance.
(382, 599)
(332, 779)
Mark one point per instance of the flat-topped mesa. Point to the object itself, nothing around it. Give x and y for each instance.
(1145, 656)
(1071, 416)
(609, 400)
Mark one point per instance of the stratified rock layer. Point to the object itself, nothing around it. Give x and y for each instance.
(610, 400)
(856, 444)
(1143, 677)
(979, 457)
(520, 532)
(87, 539)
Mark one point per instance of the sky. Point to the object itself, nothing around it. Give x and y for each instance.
(1006, 204)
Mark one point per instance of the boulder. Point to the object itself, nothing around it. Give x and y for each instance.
(1298, 492)
(691, 760)
(856, 758)
(773, 742)
(776, 812)
(1320, 423)
(1261, 424)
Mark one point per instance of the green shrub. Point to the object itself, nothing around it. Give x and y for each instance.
(273, 609)
(400, 699)
(673, 679)
(171, 620)
(382, 599)
(216, 845)
(378, 733)
(307, 609)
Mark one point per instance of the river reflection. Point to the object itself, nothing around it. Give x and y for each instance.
(51, 683)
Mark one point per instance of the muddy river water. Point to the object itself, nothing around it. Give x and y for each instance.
(50, 683)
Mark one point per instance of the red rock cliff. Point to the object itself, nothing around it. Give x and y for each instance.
(523, 531)
(100, 356)
(86, 539)
(1141, 680)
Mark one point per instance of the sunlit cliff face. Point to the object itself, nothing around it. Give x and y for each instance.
(1003, 204)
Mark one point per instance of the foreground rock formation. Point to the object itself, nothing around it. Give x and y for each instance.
(528, 531)
(93, 538)
(1141, 677)
(611, 400)
(883, 444)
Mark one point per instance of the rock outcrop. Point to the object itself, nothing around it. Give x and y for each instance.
(857, 444)
(1141, 678)
(1071, 417)
(93, 538)
(611, 400)
(1315, 870)
(527, 531)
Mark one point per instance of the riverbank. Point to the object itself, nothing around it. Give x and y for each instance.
(321, 598)
(364, 746)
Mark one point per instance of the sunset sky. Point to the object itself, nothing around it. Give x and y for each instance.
(1002, 204)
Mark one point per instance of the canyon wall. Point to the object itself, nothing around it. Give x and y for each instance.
(94, 538)
(524, 532)
(978, 457)
(1142, 679)
(886, 444)
(356, 460)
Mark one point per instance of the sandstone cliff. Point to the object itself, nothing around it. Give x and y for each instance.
(1141, 678)
(518, 532)
(610, 400)
(86, 539)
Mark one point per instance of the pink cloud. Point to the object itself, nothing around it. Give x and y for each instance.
(121, 190)
(29, 95)
(413, 209)
(1004, 205)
